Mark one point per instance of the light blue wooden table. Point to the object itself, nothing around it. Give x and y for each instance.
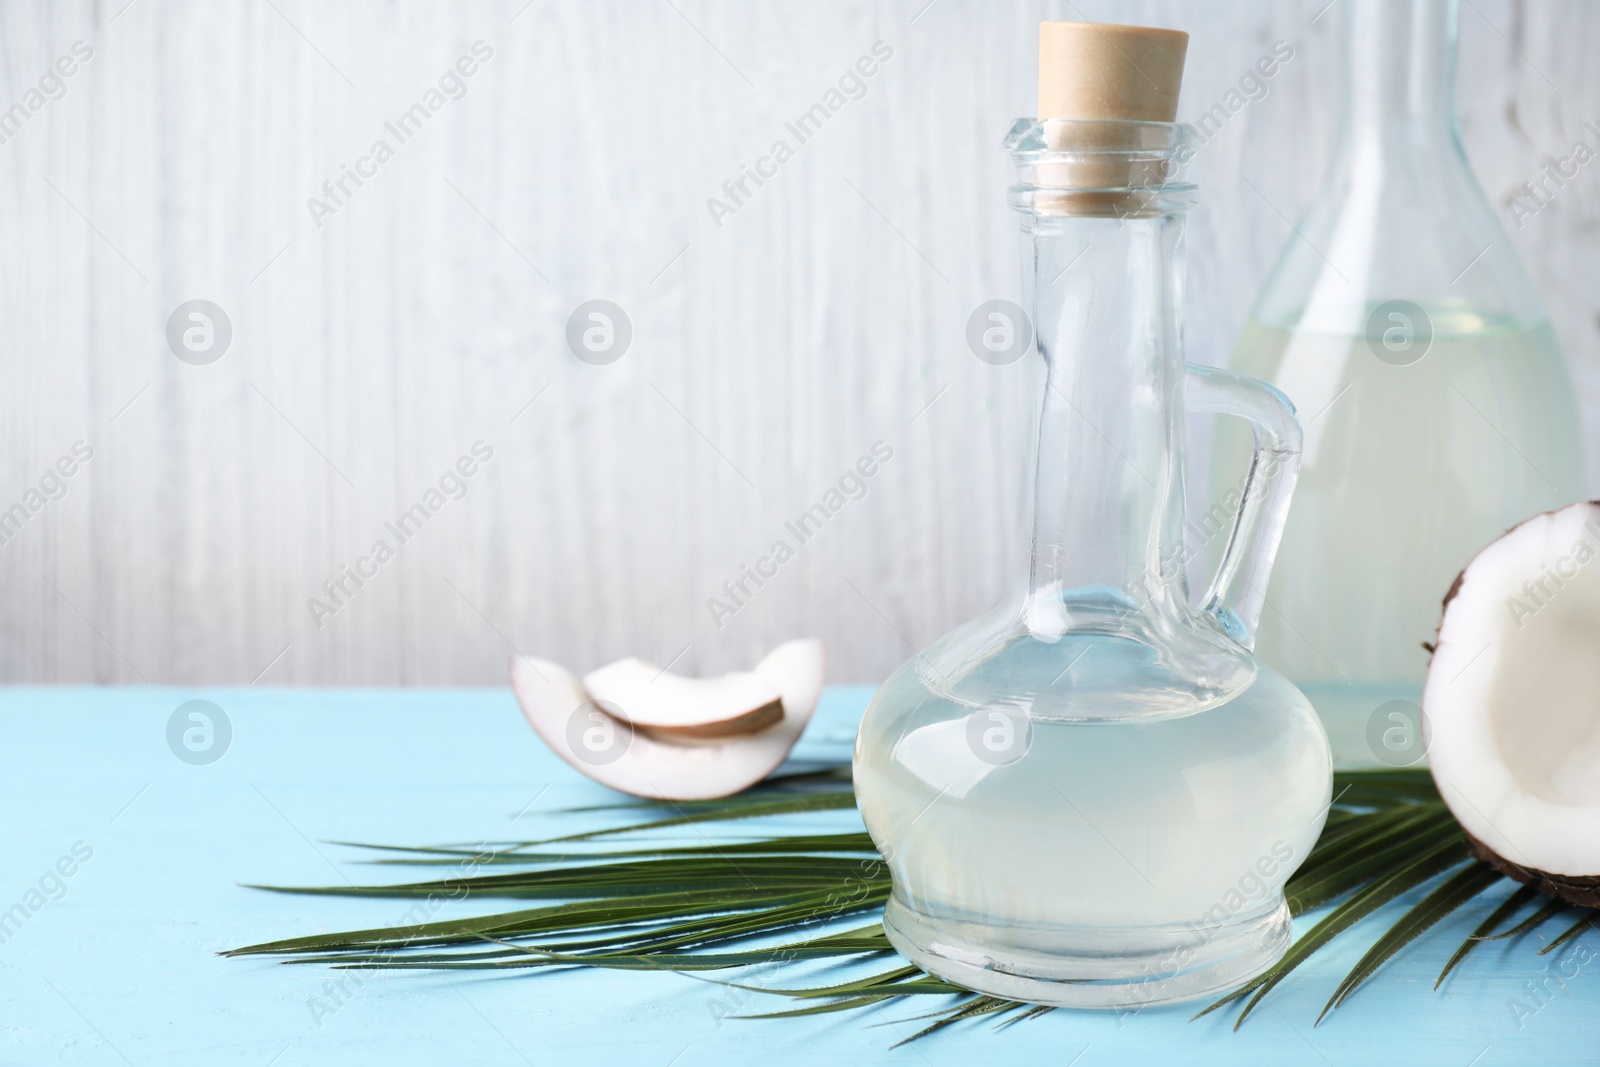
(118, 964)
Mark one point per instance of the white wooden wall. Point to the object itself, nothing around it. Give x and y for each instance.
(768, 353)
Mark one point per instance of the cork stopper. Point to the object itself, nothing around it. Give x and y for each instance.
(1096, 72)
(1093, 70)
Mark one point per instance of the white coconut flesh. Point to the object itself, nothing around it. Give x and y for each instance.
(1512, 701)
(654, 700)
(566, 717)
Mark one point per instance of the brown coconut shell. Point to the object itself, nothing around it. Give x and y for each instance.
(1579, 889)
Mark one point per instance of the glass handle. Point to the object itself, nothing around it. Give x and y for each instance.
(1239, 587)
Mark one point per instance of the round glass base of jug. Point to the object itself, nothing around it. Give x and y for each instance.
(1092, 967)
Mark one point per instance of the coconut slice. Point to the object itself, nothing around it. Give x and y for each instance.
(659, 703)
(1511, 707)
(603, 745)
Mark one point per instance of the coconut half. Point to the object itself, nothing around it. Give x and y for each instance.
(598, 740)
(1511, 706)
(744, 702)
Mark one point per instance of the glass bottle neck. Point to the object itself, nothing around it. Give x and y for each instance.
(1400, 72)
(1400, 215)
(1106, 532)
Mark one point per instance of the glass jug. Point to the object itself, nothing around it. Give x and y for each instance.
(1438, 411)
(1093, 795)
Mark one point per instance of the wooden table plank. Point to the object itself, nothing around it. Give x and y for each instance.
(123, 965)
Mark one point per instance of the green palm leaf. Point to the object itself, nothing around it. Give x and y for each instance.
(1508, 907)
(1572, 931)
(1404, 877)
(1549, 911)
(1454, 893)
(721, 905)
